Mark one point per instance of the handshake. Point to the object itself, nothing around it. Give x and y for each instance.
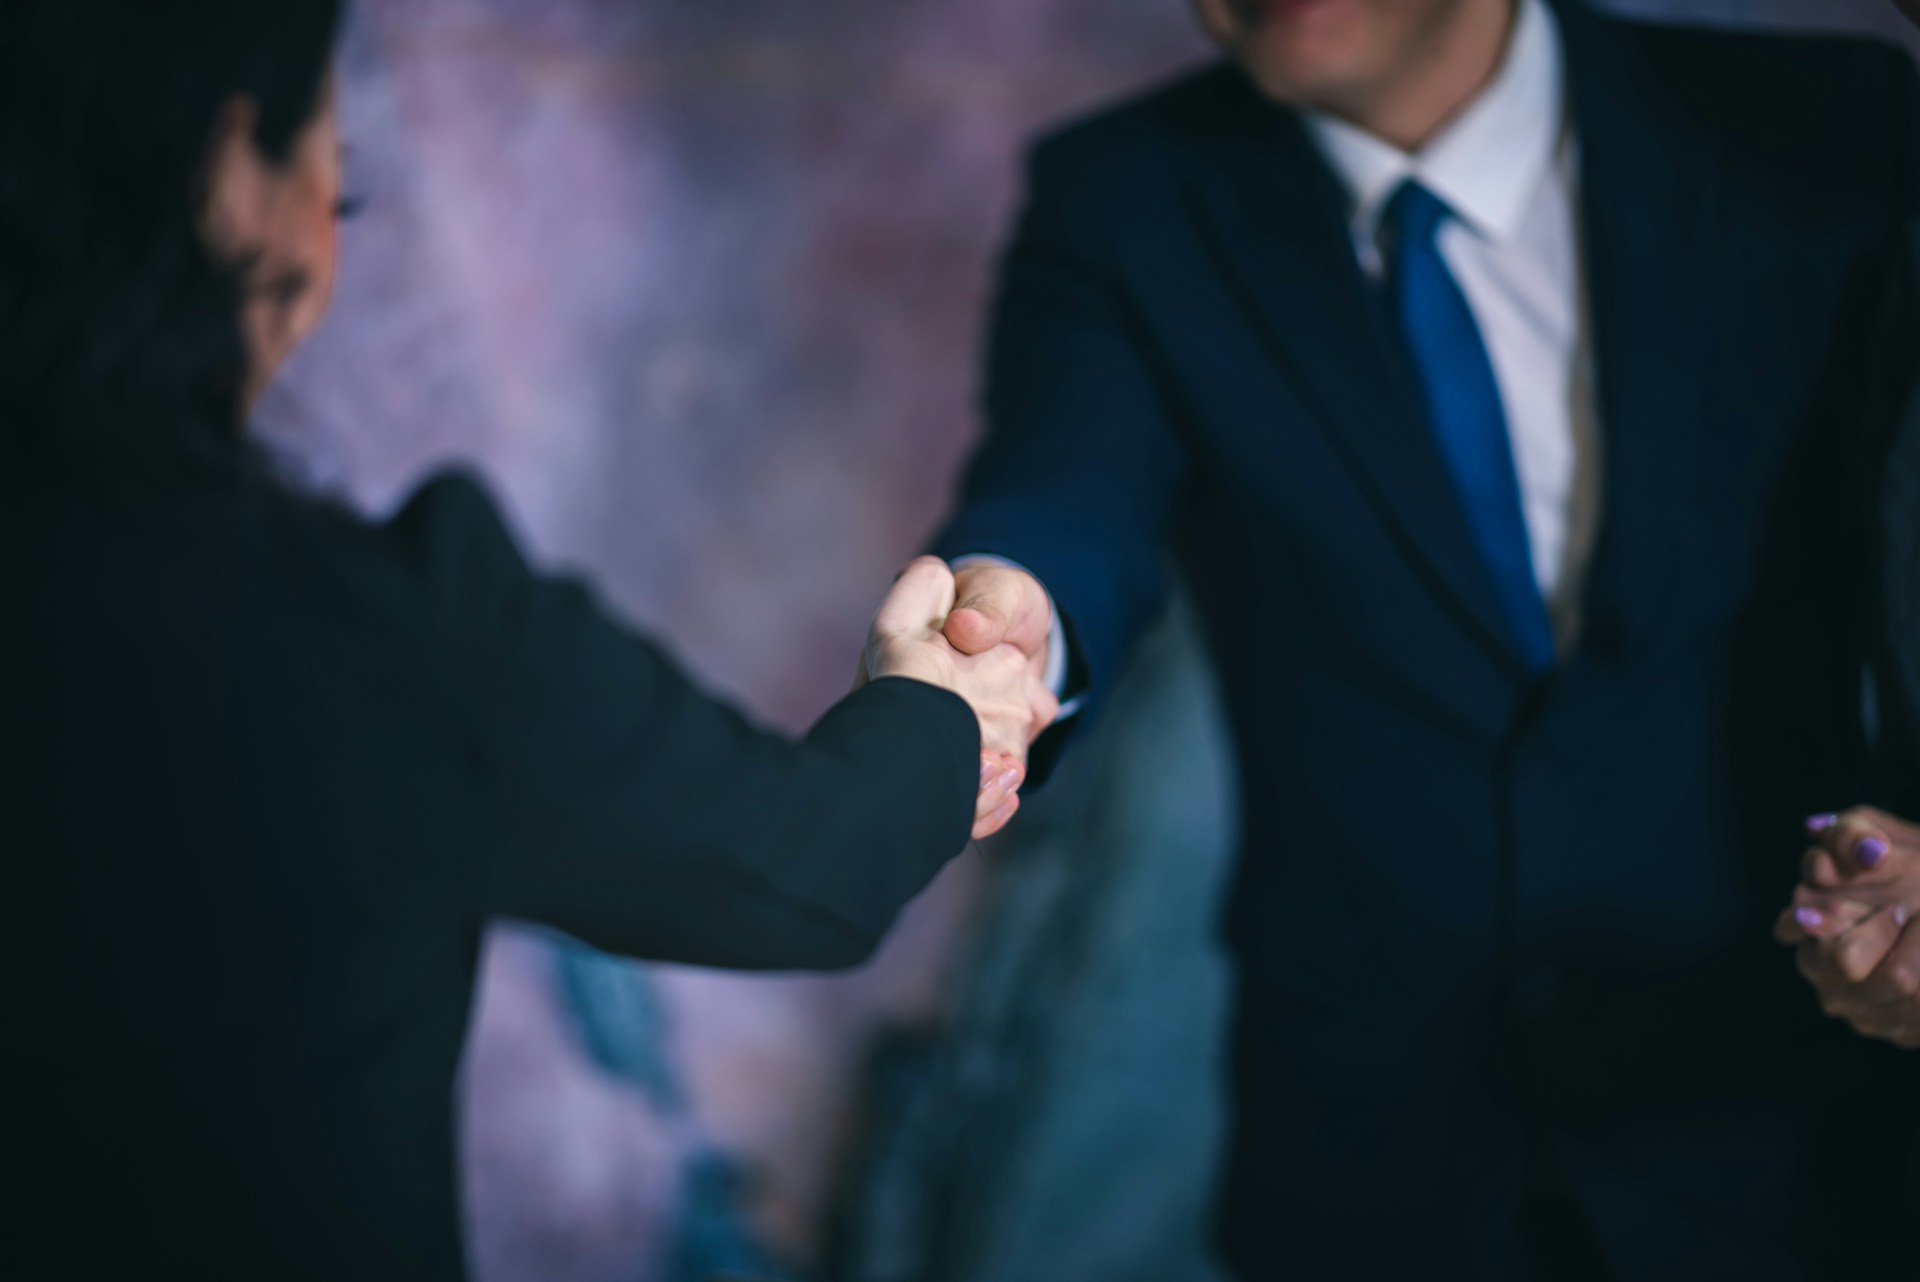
(982, 634)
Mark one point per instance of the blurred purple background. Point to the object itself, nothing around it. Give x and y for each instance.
(698, 287)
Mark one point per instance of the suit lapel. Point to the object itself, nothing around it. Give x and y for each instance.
(1278, 226)
(1650, 200)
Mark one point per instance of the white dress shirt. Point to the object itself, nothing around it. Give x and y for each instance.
(1507, 167)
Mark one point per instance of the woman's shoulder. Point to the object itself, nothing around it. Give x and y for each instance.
(438, 563)
(253, 552)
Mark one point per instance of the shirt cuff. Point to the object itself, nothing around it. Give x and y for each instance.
(1056, 673)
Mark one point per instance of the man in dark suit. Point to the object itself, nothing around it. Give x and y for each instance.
(1492, 368)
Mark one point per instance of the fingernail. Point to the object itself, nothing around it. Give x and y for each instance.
(1872, 851)
(1820, 823)
(986, 772)
(1901, 915)
(1008, 780)
(1809, 918)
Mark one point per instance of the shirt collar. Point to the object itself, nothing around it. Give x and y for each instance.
(1488, 162)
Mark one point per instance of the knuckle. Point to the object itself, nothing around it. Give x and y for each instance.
(1854, 967)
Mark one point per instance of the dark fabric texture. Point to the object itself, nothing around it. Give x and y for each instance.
(1903, 577)
(1503, 941)
(1900, 616)
(1900, 551)
(268, 772)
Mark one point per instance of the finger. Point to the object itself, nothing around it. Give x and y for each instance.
(1796, 925)
(1825, 913)
(998, 819)
(920, 601)
(1896, 980)
(1816, 967)
(1046, 707)
(992, 791)
(998, 605)
(1857, 953)
(1838, 998)
(1819, 868)
(1858, 840)
(999, 779)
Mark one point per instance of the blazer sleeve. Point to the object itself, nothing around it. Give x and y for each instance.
(622, 805)
(1082, 463)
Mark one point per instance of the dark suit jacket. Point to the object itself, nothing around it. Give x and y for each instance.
(1896, 483)
(268, 772)
(1495, 934)
(1902, 715)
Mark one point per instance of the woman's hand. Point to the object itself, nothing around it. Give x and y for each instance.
(1855, 922)
(1014, 706)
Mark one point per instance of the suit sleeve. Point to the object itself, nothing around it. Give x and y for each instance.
(1082, 464)
(626, 807)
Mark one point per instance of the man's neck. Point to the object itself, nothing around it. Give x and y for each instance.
(1440, 80)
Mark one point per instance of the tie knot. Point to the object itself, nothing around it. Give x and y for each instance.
(1414, 216)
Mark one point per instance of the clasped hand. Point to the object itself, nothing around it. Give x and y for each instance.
(1855, 922)
(1001, 681)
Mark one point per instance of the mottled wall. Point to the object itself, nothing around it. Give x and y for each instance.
(696, 284)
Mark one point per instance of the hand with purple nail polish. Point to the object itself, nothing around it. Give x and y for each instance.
(1855, 922)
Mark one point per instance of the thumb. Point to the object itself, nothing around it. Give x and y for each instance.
(977, 626)
(999, 605)
(920, 600)
(1857, 845)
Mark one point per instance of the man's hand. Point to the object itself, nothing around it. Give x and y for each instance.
(999, 605)
(1855, 922)
(1000, 681)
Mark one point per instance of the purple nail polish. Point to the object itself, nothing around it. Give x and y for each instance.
(1809, 918)
(1872, 851)
(1901, 916)
(1820, 823)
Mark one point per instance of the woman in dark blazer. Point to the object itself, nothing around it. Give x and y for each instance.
(269, 769)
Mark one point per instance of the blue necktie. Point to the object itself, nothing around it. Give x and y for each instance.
(1464, 409)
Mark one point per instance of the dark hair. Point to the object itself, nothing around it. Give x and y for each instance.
(120, 339)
